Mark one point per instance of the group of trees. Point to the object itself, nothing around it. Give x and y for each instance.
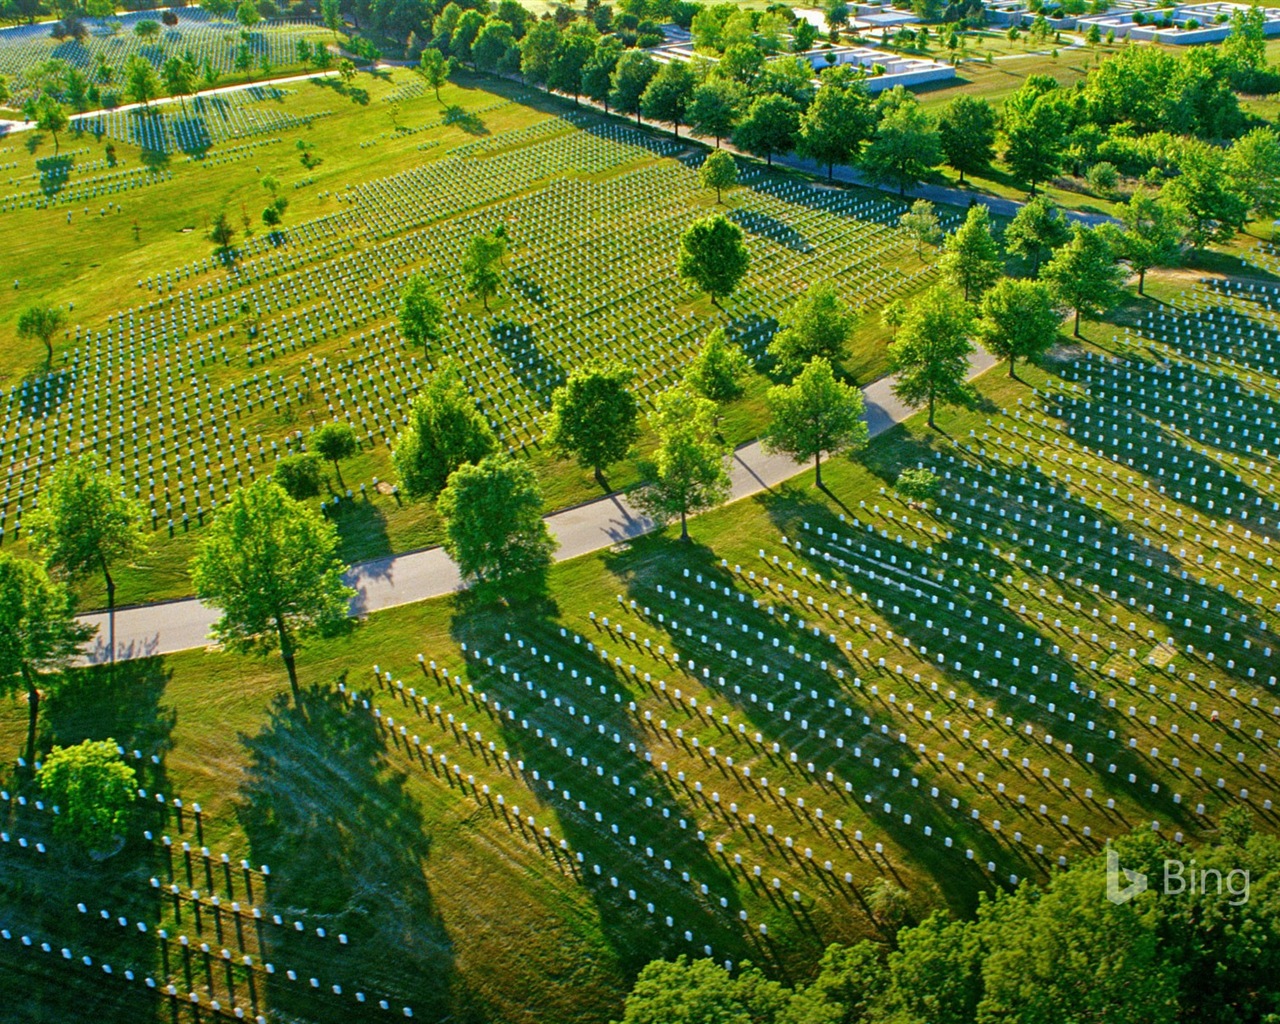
(1056, 952)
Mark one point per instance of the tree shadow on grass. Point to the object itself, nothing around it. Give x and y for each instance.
(324, 807)
(362, 531)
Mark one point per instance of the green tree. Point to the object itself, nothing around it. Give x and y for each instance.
(147, 29)
(967, 134)
(688, 471)
(1245, 48)
(681, 991)
(1036, 231)
(1154, 227)
(93, 789)
(1084, 274)
(769, 127)
(335, 442)
(715, 107)
(41, 321)
(494, 529)
(179, 77)
(906, 142)
(742, 63)
(921, 223)
(445, 431)
(331, 15)
(713, 256)
(51, 118)
(667, 96)
(594, 417)
(299, 475)
(420, 312)
(1253, 169)
(837, 123)
(478, 267)
(814, 414)
(247, 14)
(538, 49)
(717, 370)
(491, 44)
(140, 82)
(1204, 189)
(38, 633)
(631, 76)
(346, 71)
(597, 74)
(434, 67)
(270, 565)
(817, 325)
(719, 171)
(1018, 319)
(1035, 129)
(573, 53)
(930, 354)
(971, 256)
(84, 525)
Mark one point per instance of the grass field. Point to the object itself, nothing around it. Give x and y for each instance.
(273, 345)
(829, 688)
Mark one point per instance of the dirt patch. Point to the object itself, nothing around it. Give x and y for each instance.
(383, 487)
(1161, 655)
(1065, 352)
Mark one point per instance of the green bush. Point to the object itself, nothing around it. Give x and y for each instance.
(93, 789)
(300, 475)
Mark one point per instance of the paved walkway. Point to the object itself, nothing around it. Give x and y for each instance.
(172, 626)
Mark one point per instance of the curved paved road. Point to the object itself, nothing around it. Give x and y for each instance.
(172, 626)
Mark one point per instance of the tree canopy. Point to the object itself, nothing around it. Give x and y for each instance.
(930, 353)
(445, 430)
(94, 790)
(817, 325)
(1084, 274)
(713, 256)
(814, 414)
(595, 417)
(1018, 320)
(688, 470)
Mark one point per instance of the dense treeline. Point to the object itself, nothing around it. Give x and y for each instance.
(1052, 953)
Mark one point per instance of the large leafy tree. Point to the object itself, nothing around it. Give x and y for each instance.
(700, 992)
(93, 789)
(715, 107)
(494, 529)
(434, 67)
(141, 84)
(597, 73)
(1018, 319)
(492, 44)
(967, 134)
(816, 326)
(717, 370)
(1084, 274)
(769, 127)
(631, 76)
(921, 223)
(38, 633)
(814, 414)
(1154, 227)
(538, 49)
(713, 256)
(51, 117)
(930, 354)
(269, 563)
(1204, 189)
(85, 526)
(478, 267)
(667, 96)
(688, 471)
(838, 122)
(179, 77)
(971, 256)
(41, 321)
(1036, 230)
(1035, 129)
(595, 417)
(420, 312)
(573, 53)
(1253, 167)
(905, 144)
(445, 431)
(719, 171)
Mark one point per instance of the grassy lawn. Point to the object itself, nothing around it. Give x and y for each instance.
(635, 706)
(222, 329)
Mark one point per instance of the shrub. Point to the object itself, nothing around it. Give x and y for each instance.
(1103, 177)
(94, 790)
(300, 475)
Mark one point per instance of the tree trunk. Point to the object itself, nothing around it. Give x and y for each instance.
(676, 125)
(817, 468)
(1012, 371)
(768, 159)
(684, 525)
(338, 472)
(637, 118)
(287, 655)
(718, 195)
(1142, 280)
(604, 484)
(961, 175)
(48, 345)
(1076, 332)
(111, 607)
(33, 712)
(830, 171)
(932, 425)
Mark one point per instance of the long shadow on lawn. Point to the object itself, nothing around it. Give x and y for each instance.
(646, 802)
(323, 805)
